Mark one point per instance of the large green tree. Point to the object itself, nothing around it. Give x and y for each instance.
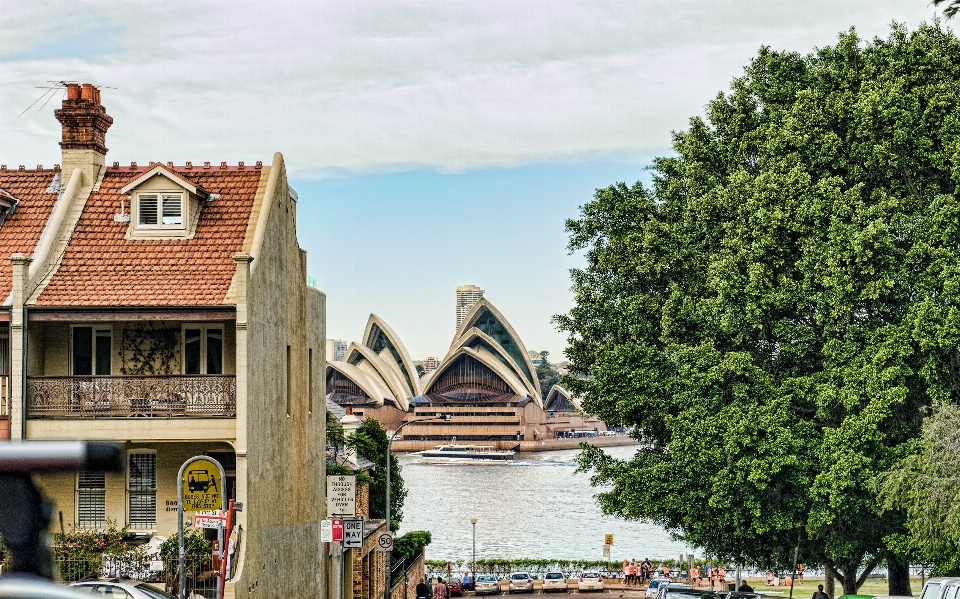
(776, 311)
(370, 441)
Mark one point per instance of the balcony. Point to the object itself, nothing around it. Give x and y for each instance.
(194, 396)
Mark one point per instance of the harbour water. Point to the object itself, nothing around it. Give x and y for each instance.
(535, 507)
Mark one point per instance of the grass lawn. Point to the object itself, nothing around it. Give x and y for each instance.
(873, 586)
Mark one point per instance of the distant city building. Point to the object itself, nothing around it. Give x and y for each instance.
(535, 357)
(467, 296)
(563, 367)
(430, 364)
(336, 350)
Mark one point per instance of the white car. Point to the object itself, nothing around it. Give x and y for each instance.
(590, 581)
(655, 585)
(554, 581)
(485, 584)
(520, 582)
(133, 589)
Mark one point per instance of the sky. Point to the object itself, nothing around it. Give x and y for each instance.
(432, 144)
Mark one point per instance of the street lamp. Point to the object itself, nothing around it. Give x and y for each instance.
(386, 591)
(474, 522)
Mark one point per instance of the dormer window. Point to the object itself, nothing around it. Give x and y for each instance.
(160, 210)
(164, 205)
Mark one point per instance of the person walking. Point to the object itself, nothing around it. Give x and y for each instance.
(423, 590)
(722, 577)
(634, 572)
(626, 572)
(694, 573)
(820, 594)
(799, 573)
(440, 589)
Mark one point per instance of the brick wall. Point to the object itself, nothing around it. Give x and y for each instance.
(407, 589)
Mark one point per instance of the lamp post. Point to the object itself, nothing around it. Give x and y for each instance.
(386, 590)
(474, 522)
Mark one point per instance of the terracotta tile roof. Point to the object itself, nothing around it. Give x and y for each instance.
(102, 268)
(21, 230)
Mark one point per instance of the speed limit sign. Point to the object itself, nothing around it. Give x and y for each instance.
(385, 542)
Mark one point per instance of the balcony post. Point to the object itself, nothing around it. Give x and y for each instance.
(18, 358)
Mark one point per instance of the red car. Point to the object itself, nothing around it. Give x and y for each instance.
(455, 587)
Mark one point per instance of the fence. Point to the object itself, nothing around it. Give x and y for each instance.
(162, 573)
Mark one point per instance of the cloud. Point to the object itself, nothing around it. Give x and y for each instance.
(381, 86)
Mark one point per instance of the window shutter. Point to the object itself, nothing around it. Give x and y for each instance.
(91, 499)
(172, 213)
(147, 210)
(143, 490)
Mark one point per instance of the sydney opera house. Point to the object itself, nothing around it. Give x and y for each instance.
(486, 383)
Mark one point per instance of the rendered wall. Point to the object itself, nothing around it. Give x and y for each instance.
(281, 456)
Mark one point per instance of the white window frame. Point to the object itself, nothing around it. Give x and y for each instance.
(129, 491)
(93, 349)
(204, 327)
(160, 195)
(78, 489)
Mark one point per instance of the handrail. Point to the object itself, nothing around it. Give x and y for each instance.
(130, 396)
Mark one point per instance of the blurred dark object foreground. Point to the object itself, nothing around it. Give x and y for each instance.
(25, 514)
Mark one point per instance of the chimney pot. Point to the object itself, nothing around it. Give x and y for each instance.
(73, 91)
(83, 119)
(349, 408)
(86, 93)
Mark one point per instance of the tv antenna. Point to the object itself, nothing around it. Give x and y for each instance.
(50, 91)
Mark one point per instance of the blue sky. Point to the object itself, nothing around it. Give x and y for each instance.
(432, 143)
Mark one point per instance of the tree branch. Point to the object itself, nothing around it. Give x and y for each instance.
(867, 571)
(908, 181)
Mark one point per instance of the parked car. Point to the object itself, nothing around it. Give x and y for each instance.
(520, 582)
(487, 585)
(554, 581)
(455, 587)
(122, 588)
(590, 581)
(655, 585)
(674, 586)
(941, 588)
(672, 592)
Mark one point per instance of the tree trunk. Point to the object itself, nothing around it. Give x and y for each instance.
(898, 577)
(850, 583)
(829, 585)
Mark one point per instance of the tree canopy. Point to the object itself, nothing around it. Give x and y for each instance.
(776, 311)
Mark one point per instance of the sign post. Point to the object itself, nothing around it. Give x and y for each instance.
(199, 487)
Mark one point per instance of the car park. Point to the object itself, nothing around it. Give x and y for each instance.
(128, 589)
(520, 582)
(655, 585)
(590, 581)
(554, 581)
(455, 587)
(486, 584)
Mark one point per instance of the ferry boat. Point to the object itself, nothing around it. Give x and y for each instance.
(453, 453)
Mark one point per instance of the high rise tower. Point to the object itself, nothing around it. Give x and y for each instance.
(467, 296)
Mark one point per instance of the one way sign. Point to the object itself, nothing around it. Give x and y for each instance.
(352, 533)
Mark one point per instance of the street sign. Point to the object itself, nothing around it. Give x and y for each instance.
(352, 533)
(337, 528)
(606, 551)
(202, 486)
(206, 521)
(326, 531)
(342, 496)
(608, 539)
(385, 542)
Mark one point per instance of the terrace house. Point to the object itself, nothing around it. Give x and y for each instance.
(166, 307)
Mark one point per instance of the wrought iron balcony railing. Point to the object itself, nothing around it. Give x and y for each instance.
(129, 396)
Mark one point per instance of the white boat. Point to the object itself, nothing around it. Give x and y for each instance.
(453, 453)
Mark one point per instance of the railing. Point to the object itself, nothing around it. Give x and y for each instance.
(162, 573)
(127, 396)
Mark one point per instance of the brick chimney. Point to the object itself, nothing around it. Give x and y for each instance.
(85, 122)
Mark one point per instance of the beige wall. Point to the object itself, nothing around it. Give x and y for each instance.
(281, 456)
(61, 488)
(49, 345)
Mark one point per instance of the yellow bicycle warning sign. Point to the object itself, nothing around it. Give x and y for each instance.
(202, 487)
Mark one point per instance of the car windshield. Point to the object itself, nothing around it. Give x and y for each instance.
(591, 575)
(520, 576)
(153, 592)
(553, 576)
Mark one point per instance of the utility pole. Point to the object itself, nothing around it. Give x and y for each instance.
(474, 522)
(390, 437)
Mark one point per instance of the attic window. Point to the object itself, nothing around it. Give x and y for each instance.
(160, 210)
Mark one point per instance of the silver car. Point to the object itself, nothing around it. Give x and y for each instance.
(485, 584)
(520, 582)
(121, 589)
